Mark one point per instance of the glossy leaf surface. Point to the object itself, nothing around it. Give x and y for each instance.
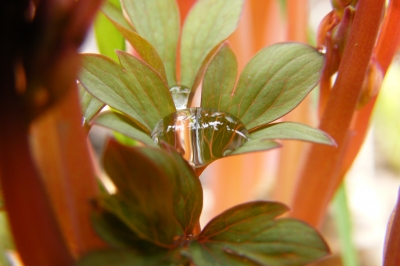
(248, 234)
(208, 23)
(273, 83)
(158, 22)
(134, 89)
(144, 198)
(90, 106)
(292, 130)
(124, 125)
(108, 38)
(147, 52)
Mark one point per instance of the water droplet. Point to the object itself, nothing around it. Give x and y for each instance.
(180, 95)
(322, 49)
(200, 135)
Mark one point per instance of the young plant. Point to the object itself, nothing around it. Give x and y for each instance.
(153, 218)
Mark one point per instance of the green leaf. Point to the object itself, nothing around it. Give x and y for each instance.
(115, 15)
(248, 234)
(117, 234)
(274, 82)
(125, 257)
(208, 23)
(186, 187)
(90, 106)
(147, 52)
(107, 37)
(124, 125)
(134, 89)
(253, 145)
(219, 80)
(292, 130)
(158, 22)
(144, 201)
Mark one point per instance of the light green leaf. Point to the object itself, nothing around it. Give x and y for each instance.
(90, 106)
(107, 37)
(115, 15)
(248, 234)
(134, 89)
(145, 195)
(274, 82)
(292, 130)
(208, 23)
(158, 22)
(253, 145)
(147, 52)
(124, 125)
(219, 80)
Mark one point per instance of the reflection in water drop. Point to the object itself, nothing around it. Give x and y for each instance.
(201, 135)
(180, 95)
(322, 49)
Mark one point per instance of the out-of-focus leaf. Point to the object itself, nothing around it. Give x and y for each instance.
(292, 130)
(128, 257)
(108, 38)
(248, 234)
(124, 125)
(158, 22)
(90, 106)
(6, 242)
(144, 201)
(116, 233)
(274, 82)
(141, 45)
(134, 89)
(186, 187)
(115, 15)
(342, 217)
(253, 145)
(219, 80)
(208, 23)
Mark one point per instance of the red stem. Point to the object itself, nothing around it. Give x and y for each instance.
(320, 176)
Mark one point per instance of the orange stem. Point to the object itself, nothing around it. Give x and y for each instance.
(320, 176)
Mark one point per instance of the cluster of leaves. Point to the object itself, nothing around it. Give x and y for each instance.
(150, 220)
(273, 83)
(152, 217)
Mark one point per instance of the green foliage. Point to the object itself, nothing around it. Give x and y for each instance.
(153, 217)
(208, 23)
(158, 22)
(141, 94)
(161, 232)
(121, 123)
(272, 84)
(107, 36)
(248, 234)
(90, 106)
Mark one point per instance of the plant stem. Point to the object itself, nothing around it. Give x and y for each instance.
(320, 176)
